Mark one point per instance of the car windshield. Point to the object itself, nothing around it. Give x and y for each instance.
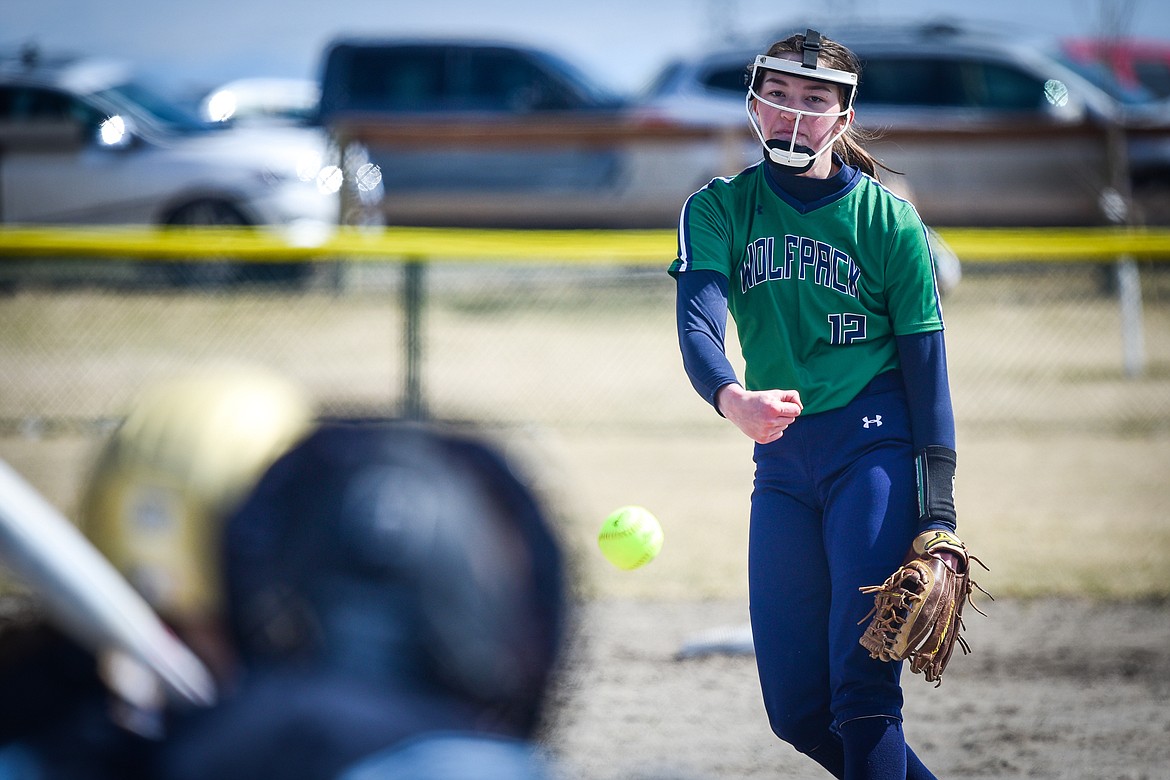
(144, 105)
(598, 94)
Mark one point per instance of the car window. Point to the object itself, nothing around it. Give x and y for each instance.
(40, 104)
(449, 79)
(441, 78)
(37, 104)
(727, 78)
(663, 80)
(936, 82)
(147, 106)
(1154, 75)
(909, 82)
(1100, 75)
(581, 89)
(501, 80)
(25, 104)
(1004, 88)
(395, 79)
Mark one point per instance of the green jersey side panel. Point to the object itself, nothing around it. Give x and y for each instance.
(817, 297)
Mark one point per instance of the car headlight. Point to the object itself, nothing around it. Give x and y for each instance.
(221, 106)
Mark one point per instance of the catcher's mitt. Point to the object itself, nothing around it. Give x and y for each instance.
(918, 612)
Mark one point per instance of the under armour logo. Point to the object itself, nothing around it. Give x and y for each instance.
(759, 210)
(875, 422)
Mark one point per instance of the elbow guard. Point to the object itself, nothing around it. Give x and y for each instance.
(934, 469)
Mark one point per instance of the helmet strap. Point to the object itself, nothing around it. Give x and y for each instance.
(812, 48)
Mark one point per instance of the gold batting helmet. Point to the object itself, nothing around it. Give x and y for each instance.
(188, 452)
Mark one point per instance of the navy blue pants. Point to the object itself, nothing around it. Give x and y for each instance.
(834, 508)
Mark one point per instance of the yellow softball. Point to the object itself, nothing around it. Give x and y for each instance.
(630, 537)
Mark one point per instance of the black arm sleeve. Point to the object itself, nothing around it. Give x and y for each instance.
(701, 311)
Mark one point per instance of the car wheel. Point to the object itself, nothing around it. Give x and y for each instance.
(205, 213)
(218, 213)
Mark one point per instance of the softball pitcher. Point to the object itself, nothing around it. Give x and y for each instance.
(829, 278)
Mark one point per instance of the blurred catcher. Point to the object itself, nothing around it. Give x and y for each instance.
(397, 597)
(186, 456)
(188, 451)
(375, 600)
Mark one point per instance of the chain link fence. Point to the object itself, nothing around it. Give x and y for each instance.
(1030, 345)
(577, 365)
(1057, 347)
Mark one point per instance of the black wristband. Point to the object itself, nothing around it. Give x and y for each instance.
(935, 471)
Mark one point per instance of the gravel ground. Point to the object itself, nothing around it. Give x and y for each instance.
(1054, 688)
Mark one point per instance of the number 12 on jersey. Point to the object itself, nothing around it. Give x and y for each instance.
(846, 328)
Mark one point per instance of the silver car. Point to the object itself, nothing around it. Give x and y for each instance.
(989, 128)
(81, 142)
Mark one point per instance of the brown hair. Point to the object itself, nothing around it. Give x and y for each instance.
(835, 55)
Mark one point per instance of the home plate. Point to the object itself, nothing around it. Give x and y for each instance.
(724, 640)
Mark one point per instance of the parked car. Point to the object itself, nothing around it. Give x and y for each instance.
(472, 132)
(990, 127)
(1142, 67)
(82, 142)
(258, 100)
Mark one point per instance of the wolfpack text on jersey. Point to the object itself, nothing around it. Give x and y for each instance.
(818, 291)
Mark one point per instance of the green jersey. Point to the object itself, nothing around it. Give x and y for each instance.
(819, 292)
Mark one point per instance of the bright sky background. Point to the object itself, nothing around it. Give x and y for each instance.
(192, 45)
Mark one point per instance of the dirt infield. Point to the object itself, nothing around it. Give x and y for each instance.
(1054, 688)
(1070, 675)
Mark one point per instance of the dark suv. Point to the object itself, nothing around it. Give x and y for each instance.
(469, 132)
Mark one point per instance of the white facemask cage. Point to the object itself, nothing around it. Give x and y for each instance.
(790, 154)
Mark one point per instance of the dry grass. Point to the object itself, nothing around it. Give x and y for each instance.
(1064, 462)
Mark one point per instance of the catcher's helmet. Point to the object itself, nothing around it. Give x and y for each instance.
(791, 154)
(400, 552)
(188, 451)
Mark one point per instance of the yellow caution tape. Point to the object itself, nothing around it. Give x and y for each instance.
(590, 246)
